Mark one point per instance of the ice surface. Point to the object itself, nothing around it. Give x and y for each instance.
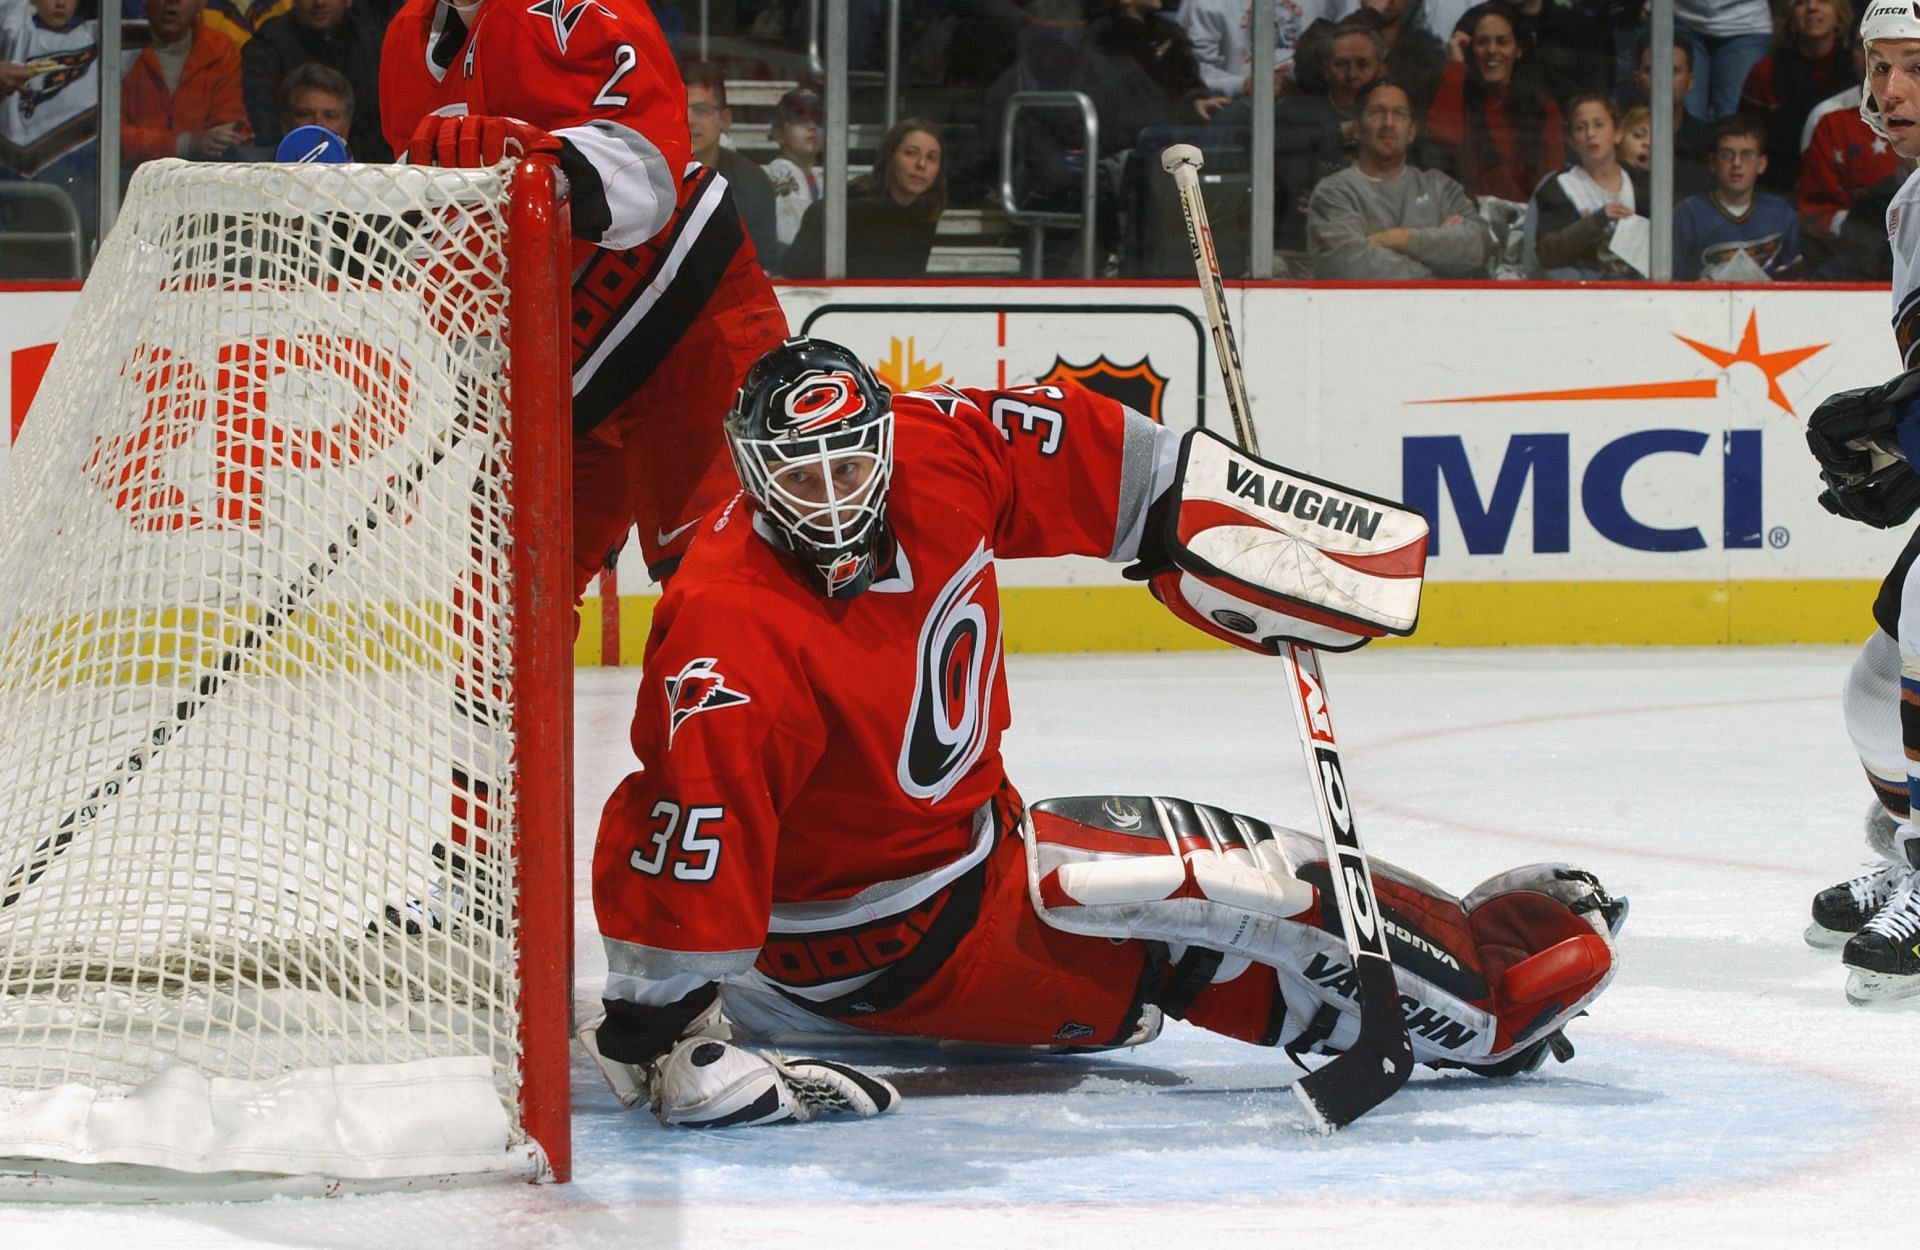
(1721, 1087)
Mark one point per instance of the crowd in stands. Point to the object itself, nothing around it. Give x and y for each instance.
(1412, 138)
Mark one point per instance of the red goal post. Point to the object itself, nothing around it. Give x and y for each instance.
(285, 643)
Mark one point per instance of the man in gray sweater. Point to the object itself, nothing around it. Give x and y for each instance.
(1380, 219)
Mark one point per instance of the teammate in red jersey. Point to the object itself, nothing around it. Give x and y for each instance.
(822, 839)
(669, 303)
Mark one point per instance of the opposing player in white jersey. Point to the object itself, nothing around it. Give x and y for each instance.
(1868, 444)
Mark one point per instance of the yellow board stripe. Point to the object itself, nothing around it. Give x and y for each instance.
(1452, 614)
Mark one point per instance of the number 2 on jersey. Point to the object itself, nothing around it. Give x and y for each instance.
(625, 59)
(693, 844)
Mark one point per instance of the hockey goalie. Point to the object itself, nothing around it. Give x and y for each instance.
(821, 838)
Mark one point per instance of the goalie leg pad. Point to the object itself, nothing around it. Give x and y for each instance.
(1261, 553)
(707, 1083)
(1486, 981)
(1166, 870)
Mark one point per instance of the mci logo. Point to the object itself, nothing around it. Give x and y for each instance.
(1487, 502)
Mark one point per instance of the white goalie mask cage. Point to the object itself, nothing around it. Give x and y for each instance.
(811, 435)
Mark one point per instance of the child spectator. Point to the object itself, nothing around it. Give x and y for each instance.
(1812, 57)
(1499, 129)
(1220, 31)
(1635, 148)
(893, 212)
(1735, 233)
(343, 35)
(795, 173)
(708, 120)
(1574, 214)
(182, 95)
(50, 100)
(1380, 218)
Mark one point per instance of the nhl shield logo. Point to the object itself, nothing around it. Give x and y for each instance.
(1137, 385)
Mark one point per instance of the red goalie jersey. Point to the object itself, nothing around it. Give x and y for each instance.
(812, 765)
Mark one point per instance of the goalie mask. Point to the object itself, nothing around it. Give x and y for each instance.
(1885, 19)
(811, 432)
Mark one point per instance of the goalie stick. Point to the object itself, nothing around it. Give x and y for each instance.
(386, 507)
(1381, 1058)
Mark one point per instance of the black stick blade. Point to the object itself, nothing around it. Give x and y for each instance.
(1379, 1062)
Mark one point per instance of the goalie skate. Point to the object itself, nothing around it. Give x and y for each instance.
(1883, 959)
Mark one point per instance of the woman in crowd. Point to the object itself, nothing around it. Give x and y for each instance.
(1574, 213)
(1812, 58)
(1490, 117)
(893, 212)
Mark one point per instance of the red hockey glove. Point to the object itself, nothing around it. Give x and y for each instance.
(474, 141)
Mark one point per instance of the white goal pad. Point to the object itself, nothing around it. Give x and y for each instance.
(283, 775)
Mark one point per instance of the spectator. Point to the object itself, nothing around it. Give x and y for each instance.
(1812, 58)
(1735, 233)
(1219, 32)
(708, 120)
(1725, 38)
(1314, 134)
(1414, 54)
(344, 36)
(892, 212)
(1635, 148)
(794, 174)
(182, 95)
(1380, 218)
(238, 19)
(1572, 40)
(313, 95)
(50, 100)
(1692, 138)
(1499, 129)
(1848, 175)
(1139, 70)
(1573, 215)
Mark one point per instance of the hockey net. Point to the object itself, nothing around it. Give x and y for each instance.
(283, 629)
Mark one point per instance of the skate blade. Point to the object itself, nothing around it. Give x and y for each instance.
(1882, 989)
(1822, 938)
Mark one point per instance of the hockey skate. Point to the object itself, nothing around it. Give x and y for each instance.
(1840, 910)
(1883, 958)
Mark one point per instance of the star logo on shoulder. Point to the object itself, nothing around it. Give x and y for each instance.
(563, 16)
(699, 687)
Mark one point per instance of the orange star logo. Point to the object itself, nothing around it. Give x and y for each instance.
(1771, 364)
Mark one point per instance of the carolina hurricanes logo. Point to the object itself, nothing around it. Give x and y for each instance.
(699, 687)
(821, 401)
(959, 661)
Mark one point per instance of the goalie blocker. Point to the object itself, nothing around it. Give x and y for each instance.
(1487, 982)
(1256, 554)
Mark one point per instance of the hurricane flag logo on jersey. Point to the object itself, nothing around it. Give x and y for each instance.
(958, 663)
(821, 401)
(699, 687)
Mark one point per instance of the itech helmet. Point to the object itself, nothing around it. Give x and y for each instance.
(1885, 19)
(811, 433)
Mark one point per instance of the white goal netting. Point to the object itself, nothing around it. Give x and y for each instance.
(257, 811)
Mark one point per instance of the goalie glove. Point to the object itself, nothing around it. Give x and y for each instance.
(1866, 441)
(706, 1083)
(476, 141)
(1254, 553)
(699, 1079)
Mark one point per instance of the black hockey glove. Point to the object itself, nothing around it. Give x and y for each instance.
(1857, 437)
